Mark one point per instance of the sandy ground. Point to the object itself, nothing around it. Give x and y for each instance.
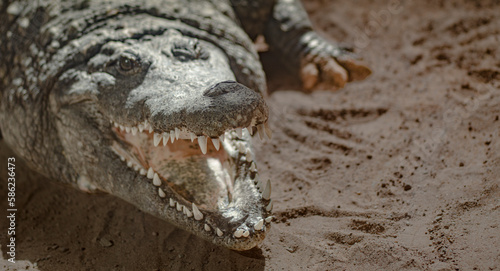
(398, 172)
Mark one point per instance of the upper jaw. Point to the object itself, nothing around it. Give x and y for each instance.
(208, 112)
(238, 221)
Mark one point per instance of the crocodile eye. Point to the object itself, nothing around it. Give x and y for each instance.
(128, 64)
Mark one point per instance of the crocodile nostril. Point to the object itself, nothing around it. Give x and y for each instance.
(222, 88)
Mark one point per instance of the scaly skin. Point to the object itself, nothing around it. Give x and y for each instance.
(91, 92)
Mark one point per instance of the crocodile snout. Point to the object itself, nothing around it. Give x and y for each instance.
(226, 87)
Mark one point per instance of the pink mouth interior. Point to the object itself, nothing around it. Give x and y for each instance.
(200, 178)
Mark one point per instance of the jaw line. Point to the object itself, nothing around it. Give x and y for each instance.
(241, 224)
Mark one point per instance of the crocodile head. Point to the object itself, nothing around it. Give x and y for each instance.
(160, 122)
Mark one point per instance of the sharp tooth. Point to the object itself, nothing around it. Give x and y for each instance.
(268, 131)
(140, 127)
(134, 130)
(161, 193)
(127, 129)
(150, 128)
(116, 125)
(216, 143)
(269, 207)
(143, 171)
(238, 233)
(246, 233)
(252, 167)
(207, 228)
(249, 155)
(266, 194)
(226, 166)
(151, 173)
(122, 158)
(156, 139)
(260, 129)
(178, 206)
(269, 219)
(259, 225)
(239, 132)
(177, 133)
(228, 178)
(187, 212)
(197, 214)
(122, 128)
(165, 138)
(137, 167)
(202, 141)
(219, 232)
(242, 148)
(129, 164)
(172, 136)
(156, 180)
(172, 202)
(250, 130)
(193, 136)
(228, 175)
(221, 137)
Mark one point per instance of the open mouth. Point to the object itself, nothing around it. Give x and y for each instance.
(210, 183)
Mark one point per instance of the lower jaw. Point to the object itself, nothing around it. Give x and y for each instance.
(238, 221)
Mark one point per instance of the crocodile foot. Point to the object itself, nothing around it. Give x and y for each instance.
(326, 66)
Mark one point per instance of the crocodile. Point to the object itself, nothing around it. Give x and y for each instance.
(157, 101)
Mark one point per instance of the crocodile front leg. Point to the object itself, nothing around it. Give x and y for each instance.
(319, 63)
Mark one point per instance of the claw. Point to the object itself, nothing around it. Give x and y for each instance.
(334, 74)
(309, 75)
(357, 71)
